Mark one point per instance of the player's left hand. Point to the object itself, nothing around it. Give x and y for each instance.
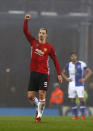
(60, 79)
(81, 80)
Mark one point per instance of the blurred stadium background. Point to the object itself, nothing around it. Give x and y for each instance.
(70, 28)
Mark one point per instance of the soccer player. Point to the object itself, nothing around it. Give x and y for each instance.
(76, 81)
(39, 77)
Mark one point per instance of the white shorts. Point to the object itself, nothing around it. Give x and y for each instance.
(76, 91)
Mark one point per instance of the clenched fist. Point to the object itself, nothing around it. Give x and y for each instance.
(28, 16)
(59, 78)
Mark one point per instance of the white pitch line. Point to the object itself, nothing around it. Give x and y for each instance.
(49, 13)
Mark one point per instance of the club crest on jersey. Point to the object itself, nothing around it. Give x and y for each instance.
(78, 66)
(39, 52)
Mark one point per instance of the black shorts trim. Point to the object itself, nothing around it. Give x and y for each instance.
(38, 81)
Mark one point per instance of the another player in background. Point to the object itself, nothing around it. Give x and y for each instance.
(76, 81)
(39, 77)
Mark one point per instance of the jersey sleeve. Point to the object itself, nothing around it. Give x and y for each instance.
(54, 58)
(84, 65)
(27, 33)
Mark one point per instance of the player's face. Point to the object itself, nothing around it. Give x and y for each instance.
(42, 35)
(73, 58)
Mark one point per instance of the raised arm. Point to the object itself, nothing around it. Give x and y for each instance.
(54, 58)
(25, 29)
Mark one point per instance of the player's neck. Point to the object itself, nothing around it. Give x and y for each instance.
(74, 62)
(43, 42)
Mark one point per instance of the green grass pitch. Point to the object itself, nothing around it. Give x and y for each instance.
(57, 123)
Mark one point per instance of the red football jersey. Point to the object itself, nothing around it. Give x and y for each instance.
(40, 53)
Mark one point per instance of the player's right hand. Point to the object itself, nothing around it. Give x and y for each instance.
(59, 78)
(69, 79)
(28, 16)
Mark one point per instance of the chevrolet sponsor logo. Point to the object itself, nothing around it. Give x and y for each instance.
(39, 52)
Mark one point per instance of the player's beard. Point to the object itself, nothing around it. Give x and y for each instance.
(74, 60)
(41, 38)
